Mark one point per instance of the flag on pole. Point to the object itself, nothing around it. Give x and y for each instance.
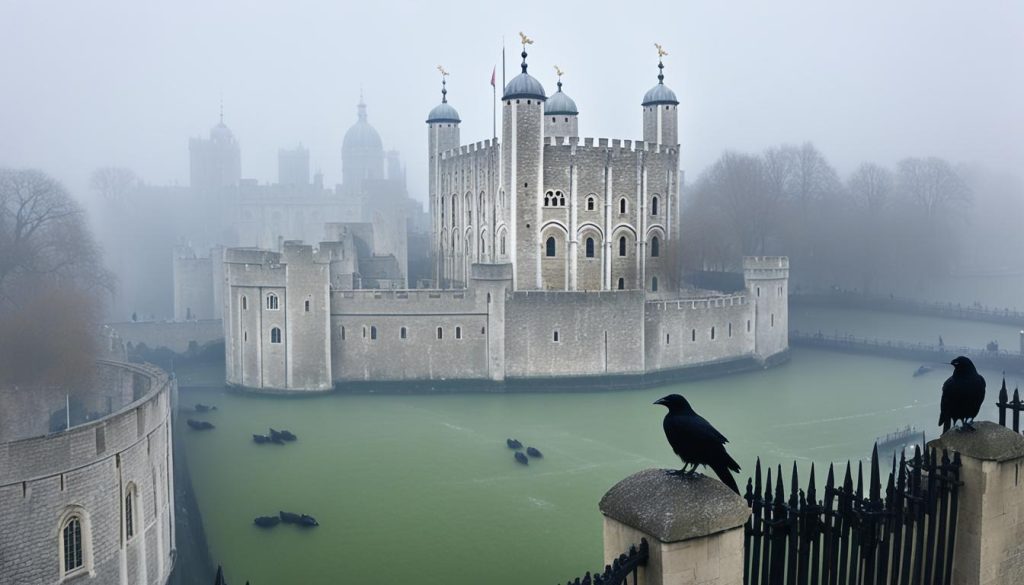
(493, 72)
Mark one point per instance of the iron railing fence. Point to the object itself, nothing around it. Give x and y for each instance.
(899, 533)
(622, 569)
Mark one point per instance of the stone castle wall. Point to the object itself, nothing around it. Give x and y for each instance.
(692, 332)
(88, 471)
(175, 336)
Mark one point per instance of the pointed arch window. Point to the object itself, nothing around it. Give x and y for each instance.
(72, 546)
(550, 248)
(655, 247)
(590, 203)
(654, 205)
(590, 247)
(623, 207)
(622, 245)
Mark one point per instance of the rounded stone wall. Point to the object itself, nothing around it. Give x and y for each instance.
(93, 503)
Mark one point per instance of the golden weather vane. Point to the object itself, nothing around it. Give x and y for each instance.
(558, 71)
(443, 72)
(525, 40)
(661, 50)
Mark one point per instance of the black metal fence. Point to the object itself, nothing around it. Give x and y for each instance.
(622, 571)
(1014, 406)
(901, 533)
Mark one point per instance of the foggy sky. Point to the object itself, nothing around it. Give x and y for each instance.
(127, 83)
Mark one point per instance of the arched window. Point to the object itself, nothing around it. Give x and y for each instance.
(561, 198)
(655, 247)
(590, 203)
(547, 198)
(654, 205)
(550, 248)
(590, 247)
(373, 332)
(403, 333)
(71, 545)
(129, 512)
(440, 333)
(272, 303)
(622, 245)
(245, 303)
(458, 333)
(654, 284)
(275, 335)
(483, 246)
(622, 205)
(622, 284)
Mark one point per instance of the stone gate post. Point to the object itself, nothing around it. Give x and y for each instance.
(990, 520)
(694, 527)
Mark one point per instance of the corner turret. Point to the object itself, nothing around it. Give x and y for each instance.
(661, 115)
(560, 113)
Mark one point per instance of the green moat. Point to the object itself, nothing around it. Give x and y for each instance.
(424, 488)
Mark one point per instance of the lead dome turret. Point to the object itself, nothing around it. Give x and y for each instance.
(524, 86)
(660, 107)
(560, 113)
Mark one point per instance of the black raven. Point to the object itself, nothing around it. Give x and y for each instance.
(962, 395)
(696, 442)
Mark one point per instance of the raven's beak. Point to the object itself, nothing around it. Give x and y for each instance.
(660, 401)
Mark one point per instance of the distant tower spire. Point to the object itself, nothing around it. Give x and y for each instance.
(661, 66)
(361, 107)
(444, 81)
(525, 40)
(222, 109)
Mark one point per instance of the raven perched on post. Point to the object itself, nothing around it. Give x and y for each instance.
(962, 395)
(696, 442)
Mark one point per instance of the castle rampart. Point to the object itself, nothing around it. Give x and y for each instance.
(110, 477)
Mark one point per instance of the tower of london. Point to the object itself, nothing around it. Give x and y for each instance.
(553, 261)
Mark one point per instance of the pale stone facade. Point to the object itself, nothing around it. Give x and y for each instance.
(113, 476)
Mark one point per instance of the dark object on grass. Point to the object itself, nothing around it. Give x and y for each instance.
(204, 408)
(533, 452)
(290, 518)
(513, 444)
(962, 395)
(307, 520)
(522, 458)
(260, 439)
(288, 436)
(267, 521)
(199, 425)
(696, 442)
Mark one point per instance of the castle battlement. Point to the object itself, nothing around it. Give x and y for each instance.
(702, 303)
(605, 143)
(251, 256)
(762, 262)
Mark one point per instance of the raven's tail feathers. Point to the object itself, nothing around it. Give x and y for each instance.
(722, 470)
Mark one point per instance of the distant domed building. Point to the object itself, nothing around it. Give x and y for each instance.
(362, 153)
(215, 162)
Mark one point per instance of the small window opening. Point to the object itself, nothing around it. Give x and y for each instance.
(622, 245)
(590, 204)
(622, 205)
(622, 284)
(245, 303)
(654, 206)
(307, 306)
(712, 333)
(403, 333)
(554, 337)
(655, 247)
(272, 303)
(590, 247)
(440, 333)
(275, 335)
(550, 252)
(458, 333)
(373, 332)
(654, 284)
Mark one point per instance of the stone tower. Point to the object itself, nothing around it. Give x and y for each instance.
(661, 111)
(767, 281)
(560, 114)
(362, 153)
(522, 123)
(442, 135)
(215, 162)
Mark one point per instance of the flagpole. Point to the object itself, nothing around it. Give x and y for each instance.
(494, 110)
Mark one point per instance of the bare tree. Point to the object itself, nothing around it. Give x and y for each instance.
(932, 185)
(870, 187)
(113, 183)
(43, 235)
(813, 178)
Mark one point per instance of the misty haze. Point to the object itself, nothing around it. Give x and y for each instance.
(457, 292)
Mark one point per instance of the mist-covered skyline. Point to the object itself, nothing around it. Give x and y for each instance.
(116, 83)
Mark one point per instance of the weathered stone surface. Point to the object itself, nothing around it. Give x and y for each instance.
(990, 442)
(672, 508)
